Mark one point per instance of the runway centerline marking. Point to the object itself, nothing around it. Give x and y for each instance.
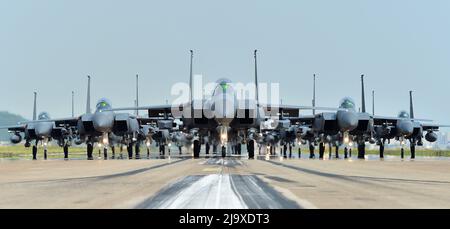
(219, 191)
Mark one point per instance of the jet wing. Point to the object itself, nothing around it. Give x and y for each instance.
(292, 107)
(432, 127)
(60, 122)
(155, 112)
(157, 107)
(382, 120)
(290, 111)
(16, 128)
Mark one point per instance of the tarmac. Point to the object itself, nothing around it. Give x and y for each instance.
(225, 183)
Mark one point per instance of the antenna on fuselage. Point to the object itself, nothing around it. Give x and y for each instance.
(363, 96)
(256, 78)
(34, 106)
(314, 95)
(411, 105)
(373, 102)
(73, 108)
(190, 84)
(88, 98)
(137, 94)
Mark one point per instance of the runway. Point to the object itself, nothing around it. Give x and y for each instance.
(230, 183)
(219, 191)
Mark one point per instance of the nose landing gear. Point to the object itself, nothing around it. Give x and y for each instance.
(224, 151)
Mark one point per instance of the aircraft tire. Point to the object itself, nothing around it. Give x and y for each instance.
(130, 151)
(34, 151)
(251, 149)
(105, 153)
(321, 150)
(311, 151)
(66, 152)
(207, 147)
(361, 150)
(113, 151)
(138, 150)
(381, 151)
(90, 149)
(239, 148)
(224, 151)
(197, 148)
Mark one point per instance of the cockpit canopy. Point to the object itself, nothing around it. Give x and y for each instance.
(43, 116)
(103, 104)
(403, 114)
(347, 103)
(223, 87)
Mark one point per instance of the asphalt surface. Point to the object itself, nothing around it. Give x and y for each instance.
(219, 191)
(230, 183)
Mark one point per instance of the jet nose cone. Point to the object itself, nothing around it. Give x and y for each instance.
(347, 121)
(103, 121)
(405, 128)
(224, 110)
(44, 129)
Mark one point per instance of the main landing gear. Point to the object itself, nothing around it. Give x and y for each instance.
(197, 148)
(361, 150)
(90, 150)
(251, 149)
(66, 152)
(34, 152)
(311, 151)
(347, 152)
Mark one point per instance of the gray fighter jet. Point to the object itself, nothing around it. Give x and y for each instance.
(42, 129)
(106, 128)
(404, 127)
(341, 127)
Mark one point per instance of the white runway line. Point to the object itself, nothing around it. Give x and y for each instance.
(211, 192)
(219, 191)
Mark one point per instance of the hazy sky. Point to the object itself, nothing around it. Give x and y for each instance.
(50, 46)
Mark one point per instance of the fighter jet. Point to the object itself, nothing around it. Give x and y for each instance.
(404, 127)
(42, 129)
(106, 128)
(343, 126)
(226, 119)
